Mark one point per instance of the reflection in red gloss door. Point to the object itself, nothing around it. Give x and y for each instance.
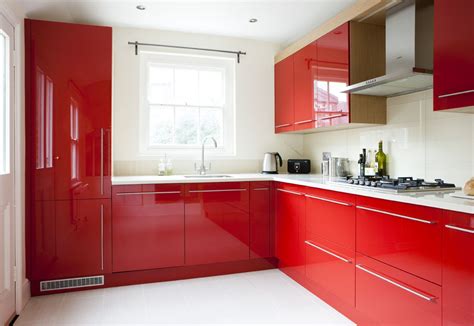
(458, 272)
(284, 95)
(71, 238)
(148, 227)
(260, 219)
(453, 80)
(217, 222)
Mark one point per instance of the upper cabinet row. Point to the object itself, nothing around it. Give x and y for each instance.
(308, 84)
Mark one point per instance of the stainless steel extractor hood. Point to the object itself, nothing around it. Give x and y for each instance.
(409, 52)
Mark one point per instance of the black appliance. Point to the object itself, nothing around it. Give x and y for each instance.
(299, 166)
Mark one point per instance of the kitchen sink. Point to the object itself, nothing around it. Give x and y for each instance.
(208, 176)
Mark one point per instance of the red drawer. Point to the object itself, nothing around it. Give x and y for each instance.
(389, 296)
(404, 236)
(331, 216)
(331, 267)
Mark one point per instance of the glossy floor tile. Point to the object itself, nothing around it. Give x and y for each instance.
(256, 298)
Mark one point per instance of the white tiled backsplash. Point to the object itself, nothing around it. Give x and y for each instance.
(418, 142)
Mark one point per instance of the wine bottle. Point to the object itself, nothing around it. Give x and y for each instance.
(381, 160)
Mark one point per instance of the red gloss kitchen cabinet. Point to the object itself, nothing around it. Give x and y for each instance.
(332, 106)
(284, 95)
(68, 104)
(305, 69)
(71, 238)
(148, 227)
(217, 222)
(453, 47)
(290, 228)
(458, 269)
(260, 220)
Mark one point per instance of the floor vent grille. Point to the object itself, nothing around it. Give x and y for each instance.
(71, 283)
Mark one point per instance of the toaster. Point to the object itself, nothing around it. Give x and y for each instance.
(299, 166)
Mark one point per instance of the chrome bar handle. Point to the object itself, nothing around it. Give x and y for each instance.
(396, 215)
(329, 200)
(456, 93)
(101, 161)
(403, 287)
(304, 121)
(148, 193)
(290, 192)
(102, 236)
(328, 252)
(283, 125)
(457, 228)
(216, 190)
(260, 189)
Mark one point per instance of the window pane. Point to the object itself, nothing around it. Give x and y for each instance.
(211, 88)
(211, 124)
(186, 130)
(160, 85)
(186, 86)
(161, 125)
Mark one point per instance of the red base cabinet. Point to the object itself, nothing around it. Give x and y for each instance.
(458, 272)
(217, 222)
(148, 227)
(260, 220)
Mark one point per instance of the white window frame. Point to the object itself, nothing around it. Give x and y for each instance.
(187, 151)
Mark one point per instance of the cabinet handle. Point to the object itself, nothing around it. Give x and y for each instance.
(332, 117)
(283, 125)
(101, 161)
(216, 190)
(329, 200)
(260, 189)
(403, 287)
(457, 228)
(304, 121)
(328, 252)
(457, 93)
(397, 215)
(102, 237)
(148, 193)
(291, 192)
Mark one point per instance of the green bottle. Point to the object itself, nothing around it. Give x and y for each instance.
(381, 160)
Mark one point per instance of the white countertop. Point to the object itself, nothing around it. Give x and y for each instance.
(442, 200)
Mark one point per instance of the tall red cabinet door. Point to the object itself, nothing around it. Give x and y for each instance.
(305, 69)
(284, 95)
(260, 223)
(458, 270)
(217, 222)
(290, 229)
(71, 238)
(332, 106)
(68, 104)
(148, 227)
(453, 48)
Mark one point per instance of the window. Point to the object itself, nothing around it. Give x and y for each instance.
(185, 98)
(4, 105)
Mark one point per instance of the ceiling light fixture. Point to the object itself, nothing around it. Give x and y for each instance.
(141, 7)
(253, 20)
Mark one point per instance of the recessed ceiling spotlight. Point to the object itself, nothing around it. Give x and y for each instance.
(141, 7)
(253, 20)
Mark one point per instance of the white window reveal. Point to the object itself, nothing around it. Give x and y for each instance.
(4, 105)
(185, 98)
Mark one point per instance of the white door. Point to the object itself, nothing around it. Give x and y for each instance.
(7, 227)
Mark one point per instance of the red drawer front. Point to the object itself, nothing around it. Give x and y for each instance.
(331, 267)
(217, 222)
(260, 219)
(148, 227)
(331, 216)
(458, 272)
(389, 296)
(404, 236)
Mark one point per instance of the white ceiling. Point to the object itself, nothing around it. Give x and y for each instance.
(278, 21)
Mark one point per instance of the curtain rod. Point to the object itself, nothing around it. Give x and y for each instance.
(136, 44)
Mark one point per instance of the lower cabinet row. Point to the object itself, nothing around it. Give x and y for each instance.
(377, 261)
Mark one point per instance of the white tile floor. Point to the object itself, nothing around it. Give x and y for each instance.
(256, 298)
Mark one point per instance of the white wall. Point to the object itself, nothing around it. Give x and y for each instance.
(254, 104)
(419, 142)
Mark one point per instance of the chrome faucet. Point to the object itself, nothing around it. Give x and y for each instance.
(203, 169)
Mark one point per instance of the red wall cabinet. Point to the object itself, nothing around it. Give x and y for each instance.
(458, 271)
(148, 227)
(290, 228)
(71, 238)
(260, 220)
(453, 47)
(284, 95)
(217, 222)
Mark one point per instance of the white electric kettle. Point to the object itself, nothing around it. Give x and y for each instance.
(270, 164)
